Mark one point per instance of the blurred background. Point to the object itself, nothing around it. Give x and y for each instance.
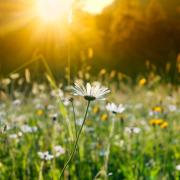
(122, 35)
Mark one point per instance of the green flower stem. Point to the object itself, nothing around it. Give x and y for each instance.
(76, 131)
(76, 143)
(74, 117)
(41, 171)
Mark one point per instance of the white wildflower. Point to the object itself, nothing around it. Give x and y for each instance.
(59, 150)
(115, 108)
(90, 92)
(28, 129)
(178, 167)
(45, 155)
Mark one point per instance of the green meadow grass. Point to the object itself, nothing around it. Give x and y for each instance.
(37, 117)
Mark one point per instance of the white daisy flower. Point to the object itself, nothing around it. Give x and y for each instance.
(59, 150)
(132, 130)
(90, 92)
(178, 167)
(13, 136)
(16, 102)
(115, 108)
(172, 108)
(54, 117)
(45, 155)
(28, 129)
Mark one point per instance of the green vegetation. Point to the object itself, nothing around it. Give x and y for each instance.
(140, 140)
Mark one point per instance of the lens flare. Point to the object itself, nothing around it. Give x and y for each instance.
(96, 6)
(53, 11)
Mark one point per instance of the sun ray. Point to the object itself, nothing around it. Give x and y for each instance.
(14, 16)
(53, 11)
(95, 6)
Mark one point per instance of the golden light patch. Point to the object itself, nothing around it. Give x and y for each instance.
(53, 11)
(96, 6)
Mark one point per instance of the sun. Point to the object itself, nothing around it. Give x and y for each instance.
(95, 6)
(53, 11)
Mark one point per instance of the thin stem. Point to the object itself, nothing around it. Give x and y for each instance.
(74, 117)
(41, 171)
(76, 143)
(76, 131)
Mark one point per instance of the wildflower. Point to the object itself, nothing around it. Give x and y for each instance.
(39, 112)
(13, 136)
(133, 130)
(155, 122)
(96, 109)
(157, 109)
(104, 117)
(27, 75)
(6, 81)
(172, 108)
(178, 167)
(28, 129)
(16, 102)
(164, 125)
(50, 107)
(90, 92)
(54, 117)
(42, 87)
(110, 174)
(112, 74)
(66, 101)
(142, 82)
(14, 76)
(114, 108)
(87, 76)
(136, 130)
(79, 122)
(59, 150)
(20, 134)
(20, 81)
(121, 143)
(45, 156)
(102, 72)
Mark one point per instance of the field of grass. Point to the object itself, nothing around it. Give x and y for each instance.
(39, 124)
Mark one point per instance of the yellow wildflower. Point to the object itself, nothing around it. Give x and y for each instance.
(164, 125)
(112, 74)
(39, 112)
(104, 117)
(142, 82)
(157, 109)
(155, 122)
(96, 109)
(102, 72)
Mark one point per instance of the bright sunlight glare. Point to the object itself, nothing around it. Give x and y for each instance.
(52, 11)
(96, 6)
